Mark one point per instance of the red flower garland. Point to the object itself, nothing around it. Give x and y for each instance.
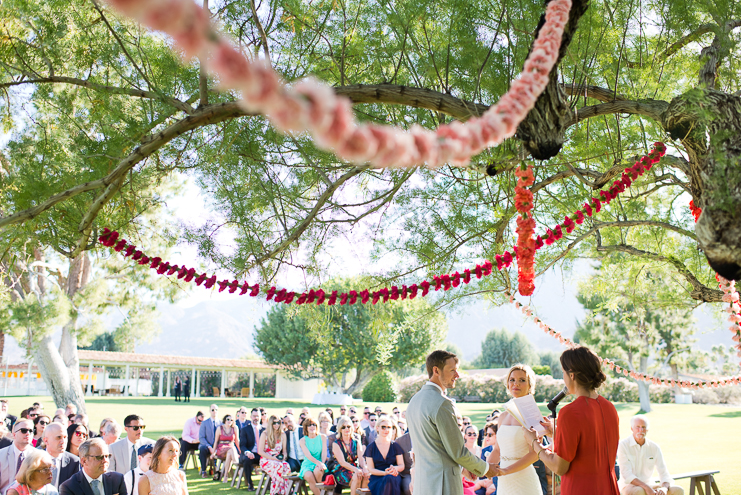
(526, 245)
(110, 239)
(696, 212)
(528, 312)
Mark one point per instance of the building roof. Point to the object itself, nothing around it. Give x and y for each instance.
(109, 358)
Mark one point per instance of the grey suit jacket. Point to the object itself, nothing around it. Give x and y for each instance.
(121, 455)
(437, 444)
(7, 468)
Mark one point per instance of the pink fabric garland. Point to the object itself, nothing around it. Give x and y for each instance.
(528, 312)
(311, 106)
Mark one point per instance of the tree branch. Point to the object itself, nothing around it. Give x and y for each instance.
(699, 292)
(648, 223)
(590, 91)
(139, 93)
(653, 109)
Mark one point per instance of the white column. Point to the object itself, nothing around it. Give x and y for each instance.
(136, 382)
(89, 380)
(252, 384)
(169, 383)
(128, 380)
(198, 385)
(162, 381)
(105, 377)
(193, 383)
(223, 383)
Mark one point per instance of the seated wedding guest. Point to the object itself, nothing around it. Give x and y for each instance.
(206, 437)
(365, 421)
(34, 475)
(489, 453)
(249, 439)
(65, 464)
(385, 461)
(470, 436)
(314, 446)
(61, 419)
(396, 413)
(289, 411)
(5, 416)
(13, 455)
(405, 442)
(189, 439)
(638, 457)
(226, 445)
(402, 423)
(358, 431)
(6, 438)
(343, 412)
(370, 432)
(70, 411)
(378, 410)
(272, 452)
(39, 425)
(103, 422)
(349, 467)
(93, 478)
(587, 436)
(263, 417)
(164, 477)
(331, 414)
(242, 420)
(131, 478)
(81, 419)
(124, 452)
(294, 454)
(111, 432)
(76, 434)
(325, 423)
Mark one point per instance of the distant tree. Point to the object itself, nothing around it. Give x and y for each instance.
(103, 342)
(380, 388)
(551, 359)
(502, 349)
(346, 345)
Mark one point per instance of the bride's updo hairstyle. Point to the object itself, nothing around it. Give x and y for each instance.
(530, 377)
(585, 366)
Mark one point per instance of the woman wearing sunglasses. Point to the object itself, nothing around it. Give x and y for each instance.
(314, 446)
(39, 425)
(34, 475)
(227, 445)
(470, 437)
(385, 460)
(76, 434)
(489, 453)
(272, 450)
(349, 467)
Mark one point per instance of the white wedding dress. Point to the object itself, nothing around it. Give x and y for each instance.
(513, 447)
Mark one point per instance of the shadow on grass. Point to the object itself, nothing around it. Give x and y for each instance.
(729, 414)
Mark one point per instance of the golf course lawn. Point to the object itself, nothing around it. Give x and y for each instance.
(692, 437)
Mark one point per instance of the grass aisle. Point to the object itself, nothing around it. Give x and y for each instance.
(692, 437)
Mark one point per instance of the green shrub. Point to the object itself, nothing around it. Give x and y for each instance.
(380, 388)
(542, 369)
(410, 386)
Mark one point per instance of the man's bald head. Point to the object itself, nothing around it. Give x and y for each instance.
(55, 438)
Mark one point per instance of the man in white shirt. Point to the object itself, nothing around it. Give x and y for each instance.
(124, 453)
(65, 464)
(638, 457)
(12, 456)
(93, 477)
(365, 422)
(132, 477)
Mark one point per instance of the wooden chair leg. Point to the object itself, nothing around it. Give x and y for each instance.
(714, 486)
(693, 483)
(699, 487)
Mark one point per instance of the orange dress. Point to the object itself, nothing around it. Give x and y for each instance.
(587, 436)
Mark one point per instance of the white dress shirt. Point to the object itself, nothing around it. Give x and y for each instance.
(90, 481)
(256, 431)
(296, 451)
(639, 461)
(138, 473)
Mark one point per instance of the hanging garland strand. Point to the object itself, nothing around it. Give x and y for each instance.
(528, 312)
(313, 107)
(446, 282)
(525, 228)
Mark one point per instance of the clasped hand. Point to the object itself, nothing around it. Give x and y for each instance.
(392, 471)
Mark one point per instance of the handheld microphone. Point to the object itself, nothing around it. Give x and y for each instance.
(554, 401)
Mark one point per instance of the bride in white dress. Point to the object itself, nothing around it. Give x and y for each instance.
(516, 473)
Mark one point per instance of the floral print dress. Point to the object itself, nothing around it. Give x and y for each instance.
(277, 470)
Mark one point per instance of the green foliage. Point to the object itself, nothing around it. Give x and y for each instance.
(346, 345)
(380, 388)
(552, 361)
(541, 369)
(502, 349)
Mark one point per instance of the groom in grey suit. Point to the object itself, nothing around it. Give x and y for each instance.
(437, 443)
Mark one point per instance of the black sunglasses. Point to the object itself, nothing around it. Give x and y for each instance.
(25, 431)
(100, 457)
(43, 423)
(137, 428)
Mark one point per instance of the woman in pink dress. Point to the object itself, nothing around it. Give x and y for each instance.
(272, 450)
(227, 445)
(164, 477)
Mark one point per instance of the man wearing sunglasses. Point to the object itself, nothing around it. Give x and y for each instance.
(206, 438)
(93, 478)
(125, 452)
(65, 464)
(189, 439)
(12, 456)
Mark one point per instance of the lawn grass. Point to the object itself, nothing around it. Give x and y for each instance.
(692, 437)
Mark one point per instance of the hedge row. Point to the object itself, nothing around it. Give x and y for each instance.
(492, 389)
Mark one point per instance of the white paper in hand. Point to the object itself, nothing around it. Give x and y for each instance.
(530, 415)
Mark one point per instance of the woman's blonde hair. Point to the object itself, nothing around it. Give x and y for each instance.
(158, 448)
(324, 415)
(271, 431)
(530, 377)
(395, 431)
(342, 421)
(31, 464)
